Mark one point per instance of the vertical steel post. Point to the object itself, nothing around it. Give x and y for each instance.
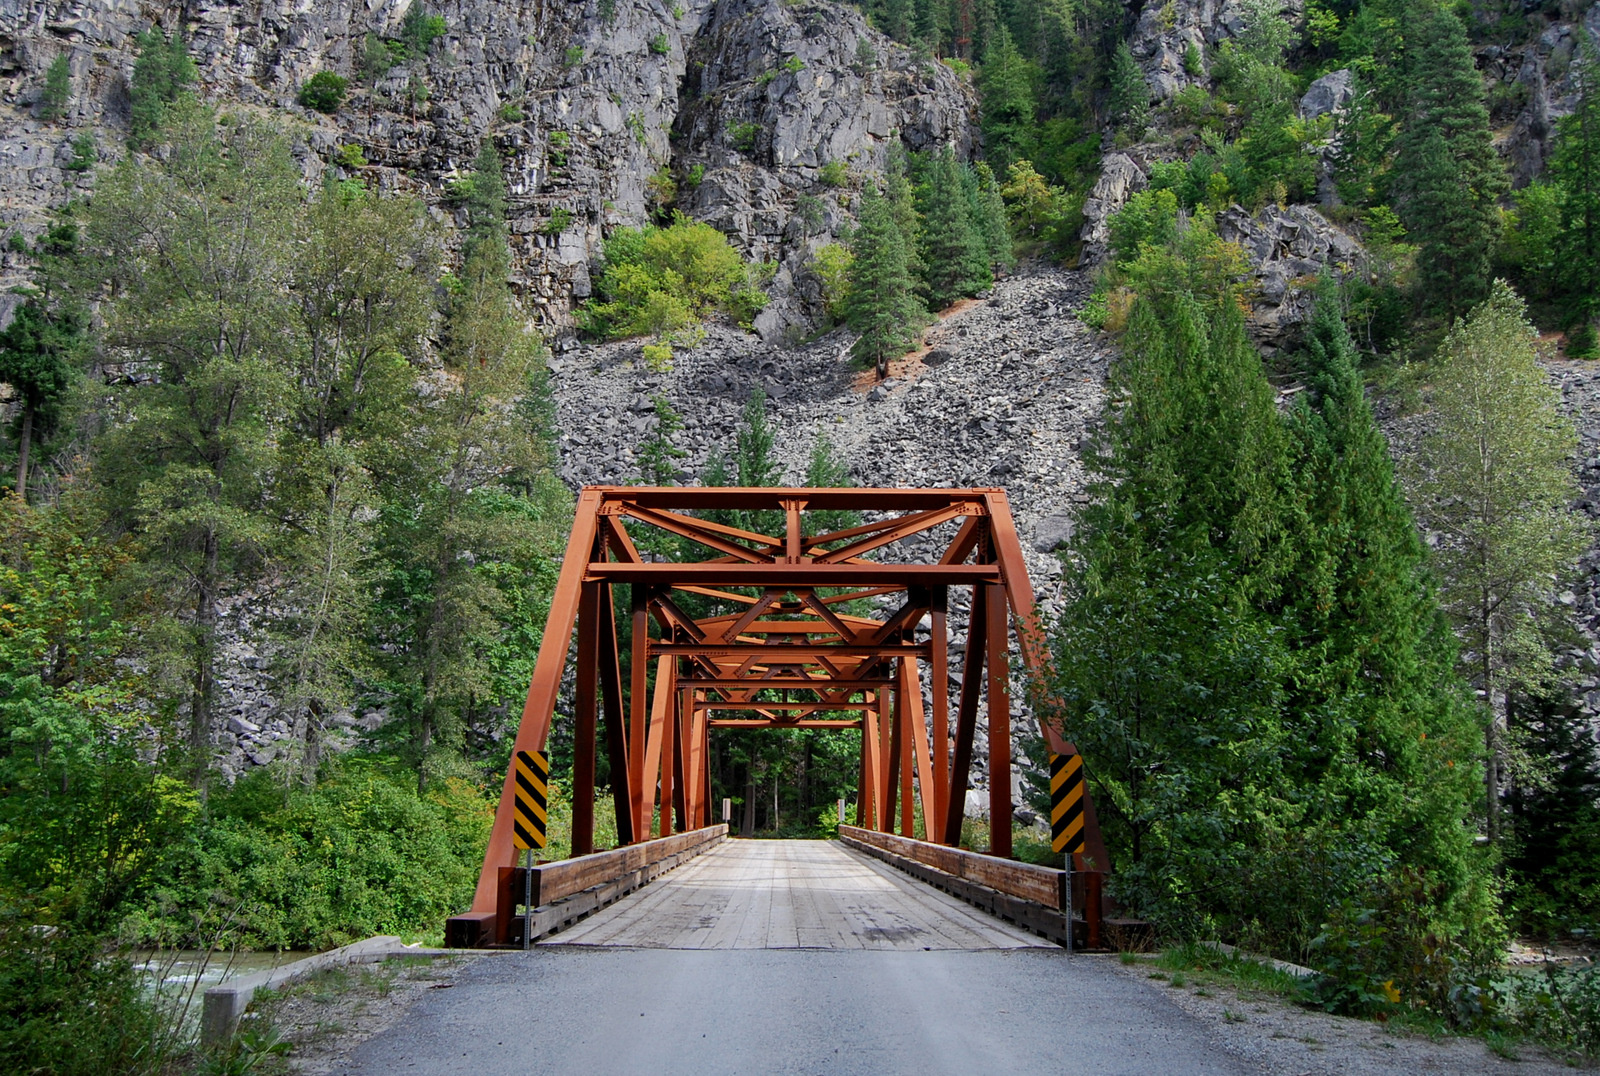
(966, 718)
(584, 732)
(934, 823)
(639, 712)
(999, 723)
(669, 697)
(616, 733)
(527, 899)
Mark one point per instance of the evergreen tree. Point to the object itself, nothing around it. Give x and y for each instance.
(954, 257)
(37, 353)
(1449, 178)
(199, 250)
(989, 215)
(902, 199)
(485, 199)
(1007, 102)
(1129, 104)
(1168, 675)
(40, 349)
(161, 75)
(931, 23)
(57, 92)
(1575, 170)
(469, 510)
(1375, 690)
(893, 17)
(1556, 815)
(1494, 482)
(658, 457)
(879, 306)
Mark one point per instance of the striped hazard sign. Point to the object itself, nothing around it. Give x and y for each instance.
(533, 798)
(1066, 802)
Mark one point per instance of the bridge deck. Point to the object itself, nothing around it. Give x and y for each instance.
(792, 895)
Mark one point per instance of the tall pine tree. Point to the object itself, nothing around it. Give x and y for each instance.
(1575, 170)
(880, 305)
(954, 256)
(1380, 712)
(1449, 179)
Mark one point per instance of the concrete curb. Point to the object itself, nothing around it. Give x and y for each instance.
(226, 1003)
(1281, 965)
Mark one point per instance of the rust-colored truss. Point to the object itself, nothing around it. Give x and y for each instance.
(783, 652)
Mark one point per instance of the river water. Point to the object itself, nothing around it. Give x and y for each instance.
(182, 976)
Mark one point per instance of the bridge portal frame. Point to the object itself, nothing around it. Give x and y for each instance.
(787, 638)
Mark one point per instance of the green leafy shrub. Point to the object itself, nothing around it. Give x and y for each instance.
(658, 357)
(560, 220)
(362, 853)
(573, 57)
(793, 65)
(635, 124)
(743, 136)
(660, 45)
(834, 174)
(324, 92)
(350, 156)
(510, 112)
(696, 174)
(84, 153)
(831, 262)
(69, 1009)
(1563, 1010)
(658, 280)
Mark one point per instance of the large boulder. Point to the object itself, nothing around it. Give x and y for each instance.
(1288, 249)
(1119, 178)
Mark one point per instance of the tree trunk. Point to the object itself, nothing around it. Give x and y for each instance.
(1491, 731)
(1491, 777)
(24, 443)
(747, 826)
(312, 757)
(205, 657)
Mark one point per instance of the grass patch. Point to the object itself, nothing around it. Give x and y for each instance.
(1208, 968)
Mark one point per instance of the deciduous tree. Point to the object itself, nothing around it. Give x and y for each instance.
(1493, 480)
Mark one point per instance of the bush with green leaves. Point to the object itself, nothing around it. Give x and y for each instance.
(70, 1008)
(743, 136)
(560, 220)
(361, 853)
(659, 45)
(324, 92)
(834, 174)
(658, 280)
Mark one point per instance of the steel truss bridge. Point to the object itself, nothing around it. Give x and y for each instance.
(781, 648)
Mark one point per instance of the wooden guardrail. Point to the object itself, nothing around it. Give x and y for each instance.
(1029, 895)
(570, 889)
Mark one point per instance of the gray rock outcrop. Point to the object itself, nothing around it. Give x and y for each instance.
(1288, 249)
(597, 110)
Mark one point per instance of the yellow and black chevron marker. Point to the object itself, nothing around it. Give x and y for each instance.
(533, 795)
(1066, 802)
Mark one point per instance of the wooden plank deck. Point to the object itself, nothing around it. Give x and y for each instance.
(792, 895)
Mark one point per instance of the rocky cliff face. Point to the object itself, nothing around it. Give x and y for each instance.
(587, 101)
